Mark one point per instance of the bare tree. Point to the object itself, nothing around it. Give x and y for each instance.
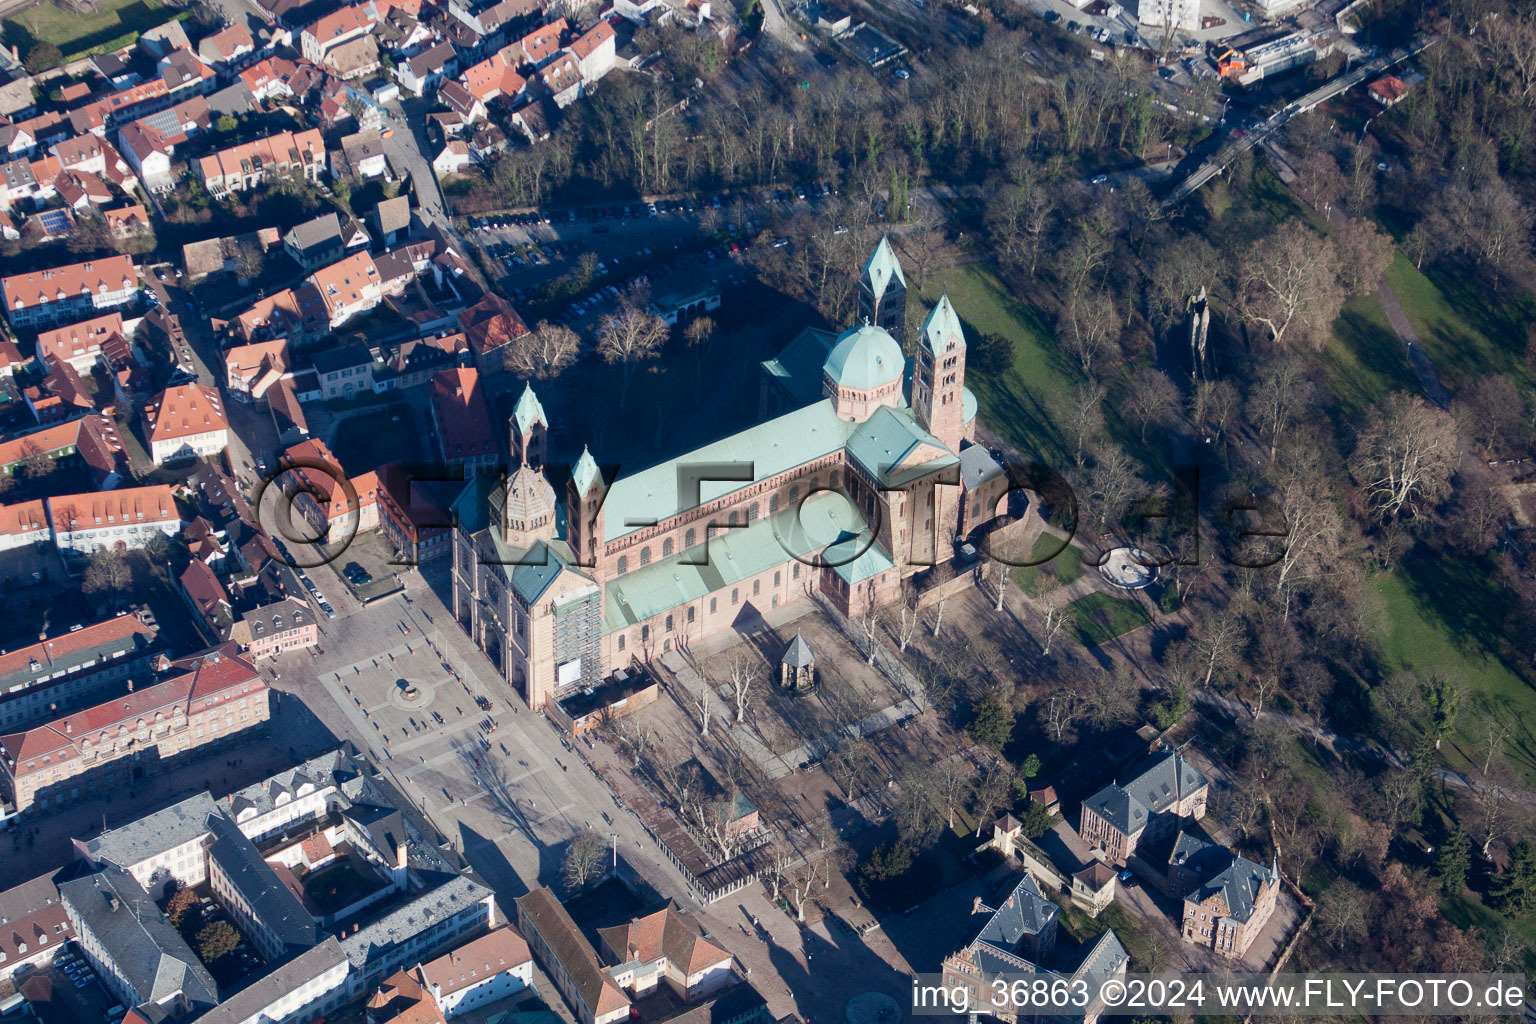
(35, 462)
(992, 790)
(629, 337)
(939, 578)
(713, 820)
(1053, 619)
(698, 334)
(1288, 284)
(584, 858)
(1495, 733)
(1082, 413)
(852, 765)
(906, 623)
(801, 885)
(869, 627)
(1089, 328)
(548, 350)
(743, 675)
(1281, 392)
(1364, 253)
(701, 705)
(1406, 455)
(1151, 397)
(780, 858)
(629, 736)
(108, 575)
(954, 772)
(1496, 809)
(1219, 639)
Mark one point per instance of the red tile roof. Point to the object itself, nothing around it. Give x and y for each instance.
(463, 419)
(489, 955)
(102, 509)
(22, 518)
(599, 34)
(77, 340)
(40, 287)
(221, 674)
(185, 411)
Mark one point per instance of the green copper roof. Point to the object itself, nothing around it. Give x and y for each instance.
(824, 522)
(586, 472)
(768, 449)
(886, 442)
(942, 331)
(528, 411)
(865, 358)
(882, 268)
(798, 365)
(967, 405)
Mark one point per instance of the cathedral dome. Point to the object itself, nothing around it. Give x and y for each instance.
(864, 359)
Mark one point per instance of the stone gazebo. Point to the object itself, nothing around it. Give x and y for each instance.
(797, 669)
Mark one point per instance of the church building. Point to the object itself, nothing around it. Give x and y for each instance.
(845, 494)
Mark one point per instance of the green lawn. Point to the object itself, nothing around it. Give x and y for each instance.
(114, 22)
(1436, 613)
(1015, 405)
(1466, 332)
(1101, 618)
(1365, 361)
(1055, 565)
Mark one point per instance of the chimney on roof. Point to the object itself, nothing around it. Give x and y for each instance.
(112, 901)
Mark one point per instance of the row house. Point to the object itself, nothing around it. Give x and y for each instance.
(496, 18)
(92, 155)
(184, 74)
(410, 517)
(23, 525)
(484, 970)
(540, 46)
(493, 78)
(74, 668)
(61, 395)
(129, 518)
(562, 80)
(181, 76)
(73, 756)
(63, 294)
(245, 166)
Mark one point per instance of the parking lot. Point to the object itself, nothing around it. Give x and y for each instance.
(68, 991)
(655, 239)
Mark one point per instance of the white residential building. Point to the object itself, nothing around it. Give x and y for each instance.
(122, 519)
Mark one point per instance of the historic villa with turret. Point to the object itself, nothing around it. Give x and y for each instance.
(846, 494)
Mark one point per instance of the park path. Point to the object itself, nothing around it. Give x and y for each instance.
(1423, 368)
